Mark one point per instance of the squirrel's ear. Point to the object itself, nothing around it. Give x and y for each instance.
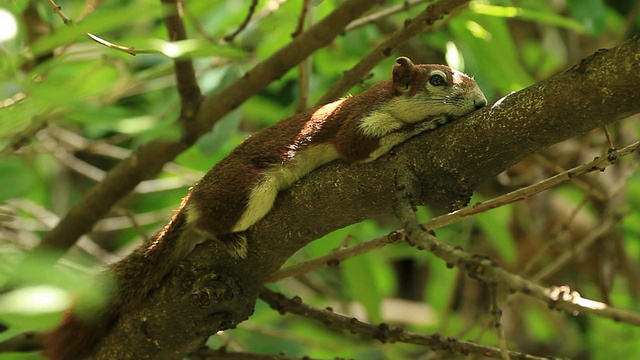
(403, 71)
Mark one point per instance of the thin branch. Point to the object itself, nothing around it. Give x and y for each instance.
(196, 23)
(63, 153)
(382, 332)
(335, 257)
(496, 313)
(38, 122)
(186, 82)
(58, 10)
(224, 354)
(252, 9)
(598, 164)
(555, 237)
(305, 67)
(126, 49)
(75, 142)
(484, 269)
(373, 17)
(562, 260)
(581, 184)
(302, 19)
(608, 136)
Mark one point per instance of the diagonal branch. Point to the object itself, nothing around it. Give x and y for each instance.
(147, 161)
(383, 332)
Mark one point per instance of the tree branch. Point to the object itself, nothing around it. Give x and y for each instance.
(188, 89)
(383, 332)
(210, 291)
(338, 255)
(486, 270)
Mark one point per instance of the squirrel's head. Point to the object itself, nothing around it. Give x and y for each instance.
(427, 89)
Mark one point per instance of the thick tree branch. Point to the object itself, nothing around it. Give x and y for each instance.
(213, 292)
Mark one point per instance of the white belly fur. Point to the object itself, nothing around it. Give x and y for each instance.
(280, 177)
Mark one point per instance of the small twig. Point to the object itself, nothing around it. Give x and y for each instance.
(306, 7)
(197, 24)
(304, 68)
(630, 21)
(335, 257)
(598, 164)
(75, 142)
(47, 220)
(556, 234)
(58, 10)
(224, 354)
(38, 122)
(576, 249)
(252, 9)
(406, 5)
(608, 136)
(382, 332)
(126, 49)
(581, 184)
(496, 313)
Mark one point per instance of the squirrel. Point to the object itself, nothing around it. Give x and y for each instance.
(242, 187)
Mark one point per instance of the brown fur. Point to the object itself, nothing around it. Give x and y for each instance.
(219, 201)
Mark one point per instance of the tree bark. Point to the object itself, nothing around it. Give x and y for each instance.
(210, 292)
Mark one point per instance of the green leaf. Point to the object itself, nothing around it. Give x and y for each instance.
(15, 179)
(20, 356)
(590, 13)
(223, 130)
(212, 142)
(545, 17)
(362, 284)
(494, 225)
(98, 22)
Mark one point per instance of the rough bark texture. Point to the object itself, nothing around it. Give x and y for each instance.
(210, 292)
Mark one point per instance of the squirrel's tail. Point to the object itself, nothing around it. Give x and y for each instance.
(136, 276)
(74, 337)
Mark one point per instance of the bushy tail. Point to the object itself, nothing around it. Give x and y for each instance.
(74, 338)
(136, 276)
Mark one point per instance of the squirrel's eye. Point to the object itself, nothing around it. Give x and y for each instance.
(436, 80)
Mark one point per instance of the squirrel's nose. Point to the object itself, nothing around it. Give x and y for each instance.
(479, 104)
